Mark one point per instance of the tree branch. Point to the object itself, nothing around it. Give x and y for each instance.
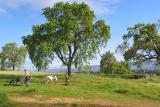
(59, 54)
(75, 50)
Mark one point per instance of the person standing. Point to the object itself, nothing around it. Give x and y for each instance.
(27, 77)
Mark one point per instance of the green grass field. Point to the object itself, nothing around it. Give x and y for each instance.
(87, 89)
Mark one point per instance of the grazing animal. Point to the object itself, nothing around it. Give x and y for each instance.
(51, 78)
(14, 81)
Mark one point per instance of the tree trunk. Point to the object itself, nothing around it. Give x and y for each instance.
(69, 70)
(68, 74)
(13, 67)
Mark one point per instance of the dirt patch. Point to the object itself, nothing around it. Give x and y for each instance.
(42, 101)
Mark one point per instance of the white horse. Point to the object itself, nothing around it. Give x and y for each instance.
(51, 78)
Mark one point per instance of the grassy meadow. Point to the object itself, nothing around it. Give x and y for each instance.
(87, 90)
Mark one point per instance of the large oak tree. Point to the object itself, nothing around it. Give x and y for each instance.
(70, 33)
(141, 44)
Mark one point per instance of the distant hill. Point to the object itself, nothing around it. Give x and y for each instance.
(146, 66)
(64, 69)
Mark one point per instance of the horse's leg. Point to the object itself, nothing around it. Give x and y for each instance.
(47, 81)
(51, 81)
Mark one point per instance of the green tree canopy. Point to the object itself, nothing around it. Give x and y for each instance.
(110, 65)
(141, 44)
(12, 56)
(70, 33)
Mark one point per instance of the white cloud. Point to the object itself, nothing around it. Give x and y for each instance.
(99, 6)
(3, 12)
(32, 3)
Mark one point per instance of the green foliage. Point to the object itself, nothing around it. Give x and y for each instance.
(12, 56)
(158, 73)
(124, 68)
(109, 64)
(141, 44)
(70, 33)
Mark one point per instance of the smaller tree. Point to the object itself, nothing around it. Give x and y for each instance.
(109, 64)
(12, 56)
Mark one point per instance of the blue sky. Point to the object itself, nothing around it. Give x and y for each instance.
(18, 16)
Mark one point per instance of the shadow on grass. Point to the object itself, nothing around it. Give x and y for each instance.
(12, 85)
(63, 105)
(8, 77)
